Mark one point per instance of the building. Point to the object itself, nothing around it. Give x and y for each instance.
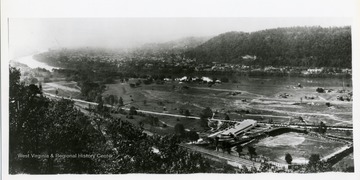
(237, 129)
(240, 127)
(248, 57)
(315, 71)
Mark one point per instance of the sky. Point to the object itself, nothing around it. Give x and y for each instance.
(32, 35)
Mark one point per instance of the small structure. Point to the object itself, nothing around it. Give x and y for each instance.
(315, 71)
(237, 129)
(248, 57)
(206, 79)
(183, 79)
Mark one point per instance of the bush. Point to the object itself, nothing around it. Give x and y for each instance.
(132, 111)
(320, 90)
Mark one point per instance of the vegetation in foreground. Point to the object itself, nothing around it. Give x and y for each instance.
(44, 134)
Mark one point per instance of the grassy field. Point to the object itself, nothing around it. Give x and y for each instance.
(254, 99)
(64, 88)
(258, 96)
(299, 146)
(250, 98)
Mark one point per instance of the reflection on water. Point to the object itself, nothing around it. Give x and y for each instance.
(32, 63)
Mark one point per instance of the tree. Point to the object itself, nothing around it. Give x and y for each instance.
(121, 102)
(226, 146)
(348, 133)
(154, 121)
(192, 135)
(279, 47)
(322, 128)
(99, 99)
(288, 158)
(270, 121)
(244, 169)
(314, 159)
(40, 87)
(43, 126)
(239, 149)
(316, 165)
(252, 151)
(132, 111)
(204, 122)
(34, 81)
(227, 117)
(206, 113)
(179, 129)
(320, 90)
(111, 99)
(216, 142)
(187, 112)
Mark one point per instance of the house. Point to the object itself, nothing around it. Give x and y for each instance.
(346, 70)
(248, 57)
(315, 71)
(167, 79)
(181, 79)
(206, 79)
(237, 129)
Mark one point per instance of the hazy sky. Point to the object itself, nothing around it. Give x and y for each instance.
(29, 35)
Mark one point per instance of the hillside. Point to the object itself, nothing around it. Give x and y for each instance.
(174, 46)
(295, 46)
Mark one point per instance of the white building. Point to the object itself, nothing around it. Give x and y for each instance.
(206, 79)
(237, 129)
(240, 127)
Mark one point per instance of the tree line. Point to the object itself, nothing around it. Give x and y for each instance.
(294, 46)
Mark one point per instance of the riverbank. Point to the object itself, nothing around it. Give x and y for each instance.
(33, 63)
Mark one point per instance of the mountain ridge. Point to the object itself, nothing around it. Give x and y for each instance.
(293, 46)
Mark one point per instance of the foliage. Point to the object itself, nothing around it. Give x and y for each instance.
(42, 126)
(288, 158)
(316, 165)
(132, 111)
(153, 121)
(204, 122)
(239, 149)
(227, 117)
(295, 46)
(252, 151)
(322, 128)
(206, 113)
(121, 101)
(192, 135)
(179, 129)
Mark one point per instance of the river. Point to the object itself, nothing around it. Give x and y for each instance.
(32, 63)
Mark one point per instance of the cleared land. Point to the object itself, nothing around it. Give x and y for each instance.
(252, 98)
(299, 146)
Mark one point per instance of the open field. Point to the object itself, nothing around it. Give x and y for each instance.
(299, 146)
(64, 88)
(261, 104)
(258, 96)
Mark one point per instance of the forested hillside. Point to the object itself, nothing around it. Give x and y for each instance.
(47, 137)
(295, 46)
